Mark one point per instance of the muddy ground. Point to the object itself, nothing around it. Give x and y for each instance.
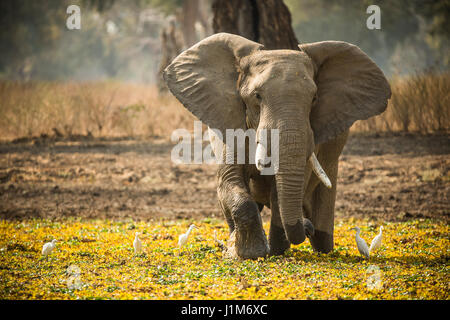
(388, 177)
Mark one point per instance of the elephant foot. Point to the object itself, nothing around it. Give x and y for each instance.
(322, 241)
(248, 240)
(239, 248)
(278, 242)
(251, 245)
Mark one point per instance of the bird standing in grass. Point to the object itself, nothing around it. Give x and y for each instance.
(137, 244)
(48, 247)
(376, 242)
(361, 244)
(183, 238)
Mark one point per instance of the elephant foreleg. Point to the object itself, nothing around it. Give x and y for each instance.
(241, 212)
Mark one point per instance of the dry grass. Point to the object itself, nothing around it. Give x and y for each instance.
(419, 103)
(98, 108)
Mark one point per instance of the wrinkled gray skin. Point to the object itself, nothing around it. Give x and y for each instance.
(311, 96)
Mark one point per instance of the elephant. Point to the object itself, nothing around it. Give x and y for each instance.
(312, 96)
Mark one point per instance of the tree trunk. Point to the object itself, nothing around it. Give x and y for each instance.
(170, 48)
(188, 19)
(267, 22)
(181, 35)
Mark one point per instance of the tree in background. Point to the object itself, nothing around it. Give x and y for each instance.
(27, 31)
(117, 39)
(414, 33)
(267, 22)
(190, 17)
(171, 46)
(186, 26)
(123, 39)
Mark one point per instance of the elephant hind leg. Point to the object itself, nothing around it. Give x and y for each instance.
(322, 215)
(322, 241)
(322, 199)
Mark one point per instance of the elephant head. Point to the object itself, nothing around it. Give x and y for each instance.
(311, 96)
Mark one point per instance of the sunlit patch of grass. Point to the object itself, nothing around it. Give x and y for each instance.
(95, 260)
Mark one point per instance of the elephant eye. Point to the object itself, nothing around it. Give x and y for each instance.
(258, 96)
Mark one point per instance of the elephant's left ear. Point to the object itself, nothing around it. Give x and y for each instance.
(350, 87)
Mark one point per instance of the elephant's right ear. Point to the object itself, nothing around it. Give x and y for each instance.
(204, 79)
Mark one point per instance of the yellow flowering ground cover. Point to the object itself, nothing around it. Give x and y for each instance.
(94, 259)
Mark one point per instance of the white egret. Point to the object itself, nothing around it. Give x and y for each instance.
(361, 244)
(183, 238)
(48, 247)
(376, 242)
(137, 244)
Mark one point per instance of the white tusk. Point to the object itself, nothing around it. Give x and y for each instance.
(317, 168)
(261, 156)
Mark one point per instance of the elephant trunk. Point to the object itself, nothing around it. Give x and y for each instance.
(290, 180)
(290, 202)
